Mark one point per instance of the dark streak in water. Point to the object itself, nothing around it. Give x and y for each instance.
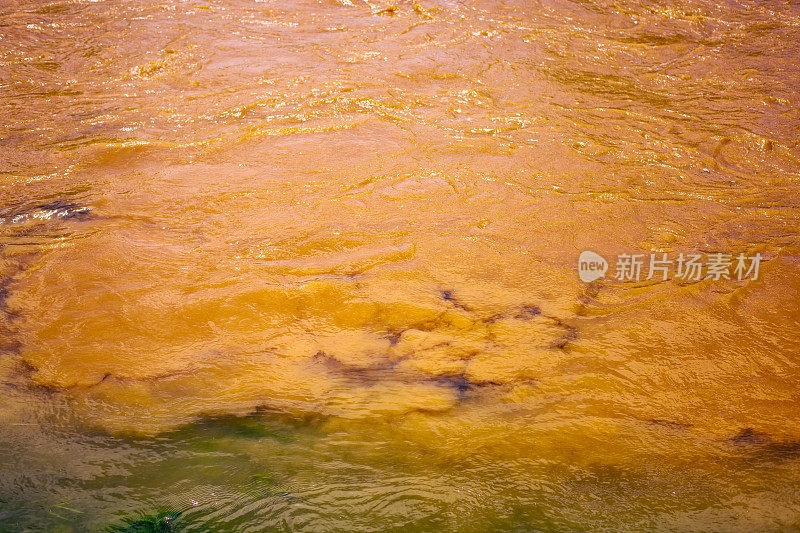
(457, 382)
(449, 296)
(57, 209)
(748, 437)
(393, 337)
(569, 335)
(528, 312)
(765, 446)
(385, 371)
(366, 374)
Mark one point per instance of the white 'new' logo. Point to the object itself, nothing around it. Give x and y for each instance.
(591, 266)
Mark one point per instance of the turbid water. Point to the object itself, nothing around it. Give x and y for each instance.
(313, 265)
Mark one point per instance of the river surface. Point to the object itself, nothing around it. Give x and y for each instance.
(313, 265)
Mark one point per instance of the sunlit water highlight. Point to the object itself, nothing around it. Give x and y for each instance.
(311, 265)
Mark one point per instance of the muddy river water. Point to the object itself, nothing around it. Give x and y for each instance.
(314, 265)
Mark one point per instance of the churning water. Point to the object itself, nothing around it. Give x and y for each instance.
(313, 265)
